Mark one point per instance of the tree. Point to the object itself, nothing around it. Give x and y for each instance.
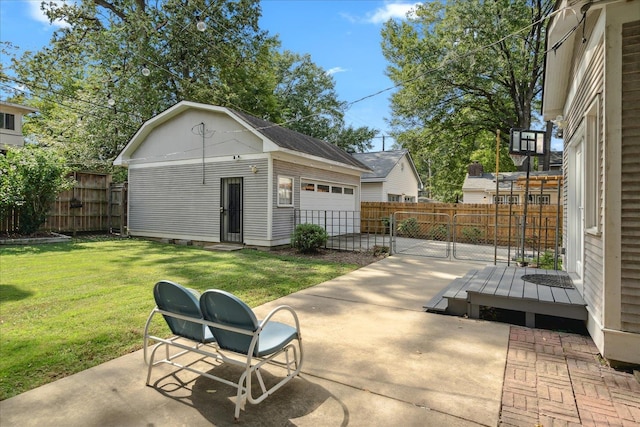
(119, 63)
(465, 69)
(30, 180)
(310, 104)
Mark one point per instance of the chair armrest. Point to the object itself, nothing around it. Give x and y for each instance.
(278, 309)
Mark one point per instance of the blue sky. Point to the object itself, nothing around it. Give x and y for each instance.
(342, 36)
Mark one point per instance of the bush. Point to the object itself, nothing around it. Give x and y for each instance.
(30, 180)
(472, 235)
(309, 237)
(409, 227)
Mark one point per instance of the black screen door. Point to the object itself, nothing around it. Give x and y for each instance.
(231, 210)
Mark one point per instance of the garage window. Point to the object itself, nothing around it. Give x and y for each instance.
(323, 188)
(285, 191)
(336, 190)
(348, 190)
(308, 186)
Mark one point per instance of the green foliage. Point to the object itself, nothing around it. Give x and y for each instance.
(117, 64)
(309, 237)
(30, 180)
(472, 234)
(465, 69)
(437, 232)
(380, 250)
(67, 307)
(547, 262)
(409, 227)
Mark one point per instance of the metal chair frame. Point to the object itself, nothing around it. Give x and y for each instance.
(251, 364)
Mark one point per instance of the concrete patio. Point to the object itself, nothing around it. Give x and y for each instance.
(373, 357)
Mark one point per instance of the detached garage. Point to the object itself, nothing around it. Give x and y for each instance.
(344, 215)
(211, 174)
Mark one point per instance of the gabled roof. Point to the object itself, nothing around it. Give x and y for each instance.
(23, 108)
(382, 163)
(282, 139)
(296, 141)
(487, 182)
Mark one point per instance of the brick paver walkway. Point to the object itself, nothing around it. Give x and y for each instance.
(557, 379)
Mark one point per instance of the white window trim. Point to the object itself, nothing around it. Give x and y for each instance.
(592, 170)
(293, 183)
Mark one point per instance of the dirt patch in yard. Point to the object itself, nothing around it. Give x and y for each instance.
(359, 258)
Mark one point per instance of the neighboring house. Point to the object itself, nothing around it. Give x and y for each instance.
(480, 187)
(555, 161)
(211, 174)
(11, 124)
(393, 177)
(592, 88)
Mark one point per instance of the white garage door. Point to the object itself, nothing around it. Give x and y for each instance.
(332, 206)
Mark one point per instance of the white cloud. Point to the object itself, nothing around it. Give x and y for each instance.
(38, 15)
(391, 11)
(334, 70)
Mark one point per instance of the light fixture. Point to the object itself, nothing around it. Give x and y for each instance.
(560, 122)
(145, 71)
(254, 169)
(201, 25)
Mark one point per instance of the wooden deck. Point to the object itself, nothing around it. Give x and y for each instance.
(503, 287)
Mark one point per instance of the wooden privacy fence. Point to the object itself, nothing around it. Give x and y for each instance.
(84, 208)
(476, 222)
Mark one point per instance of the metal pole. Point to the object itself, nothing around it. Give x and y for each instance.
(495, 230)
(555, 256)
(509, 233)
(542, 182)
(526, 203)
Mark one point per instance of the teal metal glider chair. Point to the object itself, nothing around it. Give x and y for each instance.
(219, 328)
(244, 341)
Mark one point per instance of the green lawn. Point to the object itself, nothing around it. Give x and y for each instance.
(70, 306)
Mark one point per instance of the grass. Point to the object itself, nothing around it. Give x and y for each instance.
(70, 306)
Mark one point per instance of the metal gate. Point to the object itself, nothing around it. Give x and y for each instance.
(231, 202)
(421, 234)
(117, 211)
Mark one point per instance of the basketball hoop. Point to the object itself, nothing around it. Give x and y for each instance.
(518, 159)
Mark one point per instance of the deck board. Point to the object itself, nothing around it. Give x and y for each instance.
(560, 295)
(544, 293)
(530, 291)
(481, 279)
(517, 287)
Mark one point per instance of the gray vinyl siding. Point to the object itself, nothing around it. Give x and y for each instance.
(283, 217)
(256, 189)
(630, 221)
(590, 86)
(172, 199)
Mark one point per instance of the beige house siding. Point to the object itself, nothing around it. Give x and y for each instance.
(372, 192)
(630, 220)
(401, 180)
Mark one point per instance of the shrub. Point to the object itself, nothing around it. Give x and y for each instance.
(30, 180)
(409, 227)
(472, 234)
(309, 237)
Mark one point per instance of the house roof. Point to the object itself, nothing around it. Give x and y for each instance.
(296, 141)
(487, 182)
(560, 41)
(556, 158)
(22, 108)
(382, 163)
(283, 139)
